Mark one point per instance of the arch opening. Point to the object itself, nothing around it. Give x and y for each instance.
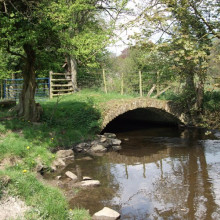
(141, 118)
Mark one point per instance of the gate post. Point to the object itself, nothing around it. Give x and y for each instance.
(50, 86)
(104, 81)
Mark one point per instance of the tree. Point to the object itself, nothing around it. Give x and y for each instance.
(89, 25)
(188, 27)
(26, 32)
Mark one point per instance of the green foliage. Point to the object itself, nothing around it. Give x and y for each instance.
(150, 59)
(3, 130)
(214, 60)
(9, 64)
(187, 28)
(80, 25)
(212, 101)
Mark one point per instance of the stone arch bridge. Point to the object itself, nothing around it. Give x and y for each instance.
(147, 109)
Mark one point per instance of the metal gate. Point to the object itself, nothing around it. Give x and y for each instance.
(13, 87)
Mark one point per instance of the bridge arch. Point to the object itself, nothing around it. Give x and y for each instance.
(159, 108)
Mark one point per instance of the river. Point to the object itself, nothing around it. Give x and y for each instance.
(162, 172)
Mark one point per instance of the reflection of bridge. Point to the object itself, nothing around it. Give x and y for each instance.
(129, 159)
(148, 109)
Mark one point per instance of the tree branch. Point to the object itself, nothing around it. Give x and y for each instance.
(209, 26)
(5, 6)
(14, 53)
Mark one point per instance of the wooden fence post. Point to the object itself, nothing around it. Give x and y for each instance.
(140, 84)
(6, 89)
(1, 90)
(122, 83)
(168, 87)
(151, 91)
(50, 85)
(158, 83)
(104, 81)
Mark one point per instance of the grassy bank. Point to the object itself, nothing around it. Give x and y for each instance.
(66, 121)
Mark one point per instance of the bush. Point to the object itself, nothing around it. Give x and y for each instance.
(212, 100)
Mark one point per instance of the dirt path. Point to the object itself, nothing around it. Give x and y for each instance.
(12, 208)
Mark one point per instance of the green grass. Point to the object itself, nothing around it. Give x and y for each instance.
(66, 120)
(76, 117)
(79, 214)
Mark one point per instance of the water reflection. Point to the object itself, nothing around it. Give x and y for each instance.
(161, 173)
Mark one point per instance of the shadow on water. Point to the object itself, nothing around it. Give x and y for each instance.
(162, 172)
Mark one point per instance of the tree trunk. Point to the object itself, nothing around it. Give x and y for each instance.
(200, 91)
(27, 108)
(190, 91)
(200, 97)
(72, 69)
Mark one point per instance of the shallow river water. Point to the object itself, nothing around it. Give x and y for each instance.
(160, 173)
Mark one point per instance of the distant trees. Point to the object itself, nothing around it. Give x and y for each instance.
(187, 30)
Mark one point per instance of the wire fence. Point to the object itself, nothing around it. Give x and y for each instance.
(136, 83)
(139, 83)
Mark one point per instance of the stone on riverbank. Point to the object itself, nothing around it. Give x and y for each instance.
(57, 163)
(101, 144)
(82, 147)
(65, 154)
(106, 214)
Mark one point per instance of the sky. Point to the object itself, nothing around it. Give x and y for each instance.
(120, 45)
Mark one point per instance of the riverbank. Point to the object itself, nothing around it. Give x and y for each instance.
(67, 120)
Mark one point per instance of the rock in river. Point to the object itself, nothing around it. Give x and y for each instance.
(110, 135)
(116, 148)
(87, 178)
(106, 214)
(97, 148)
(71, 175)
(90, 183)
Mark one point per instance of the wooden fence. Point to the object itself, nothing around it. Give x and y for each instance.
(60, 84)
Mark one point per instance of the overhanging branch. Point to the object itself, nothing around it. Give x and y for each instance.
(14, 53)
(209, 26)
